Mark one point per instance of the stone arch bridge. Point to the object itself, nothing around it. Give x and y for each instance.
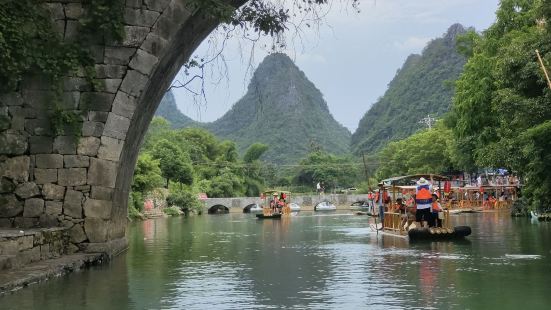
(307, 202)
(82, 185)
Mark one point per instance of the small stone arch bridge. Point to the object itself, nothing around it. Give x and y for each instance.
(306, 202)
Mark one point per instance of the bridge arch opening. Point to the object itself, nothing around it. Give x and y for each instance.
(218, 209)
(248, 208)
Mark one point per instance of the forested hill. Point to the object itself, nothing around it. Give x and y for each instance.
(168, 110)
(283, 109)
(422, 86)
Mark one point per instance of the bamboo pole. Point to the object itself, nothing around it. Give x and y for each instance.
(544, 69)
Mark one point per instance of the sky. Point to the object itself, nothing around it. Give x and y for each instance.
(350, 58)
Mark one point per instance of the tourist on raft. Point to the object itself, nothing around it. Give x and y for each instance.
(382, 199)
(423, 200)
(435, 210)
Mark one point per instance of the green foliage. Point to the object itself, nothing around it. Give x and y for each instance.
(147, 175)
(254, 152)
(333, 171)
(501, 108)
(428, 151)
(184, 198)
(172, 211)
(419, 88)
(105, 17)
(174, 163)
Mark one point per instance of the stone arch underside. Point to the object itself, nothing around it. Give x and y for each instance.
(83, 185)
(217, 209)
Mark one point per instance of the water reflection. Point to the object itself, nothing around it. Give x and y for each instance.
(308, 261)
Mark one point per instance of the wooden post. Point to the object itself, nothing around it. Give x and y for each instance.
(544, 69)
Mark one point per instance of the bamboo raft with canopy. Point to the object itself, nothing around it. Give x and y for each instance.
(275, 204)
(404, 187)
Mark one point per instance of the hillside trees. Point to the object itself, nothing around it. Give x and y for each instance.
(502, 106)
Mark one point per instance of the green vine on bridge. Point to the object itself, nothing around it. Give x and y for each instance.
(29, 45)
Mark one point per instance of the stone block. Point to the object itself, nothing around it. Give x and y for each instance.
(34, 207)
(27, 190)
(56, 10)
(48, 220)
(53, 192)
(118, 55)
(109, 85)
(102, 173)
(110, 148)
(65, 145)
(16, 168)
(134, 35)
(5, 223)
(49, 161)
(73, 10)
(143, 62)
(17, 119)
(165, 27)
(10, 206)
(110, 71)
(124, 105)
(29, 256)
(71, 34)
(140, 17)
(98, 116)
(71, 176)
(38, 127)
(76, 161)
(13, 143)
(76, 234)
(97, 51)
(97, 208)
(96, 101)
(54, 207)
(25, 243)
(92, 129)
(70, 100)
(96, 229)
(154, 44)
(88, 146)
(9, 247)
(43, 176)
(40, 144)
(156, 5)
(45, 251)
(101, 193)
(11, 99)
(134, 83)
(74, 83)
(72, 205)
(82, 188)
(6, 186)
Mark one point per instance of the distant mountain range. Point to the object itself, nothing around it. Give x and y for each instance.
(281, 108)
(424, 85)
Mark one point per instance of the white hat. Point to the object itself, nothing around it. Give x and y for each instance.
(422, 181)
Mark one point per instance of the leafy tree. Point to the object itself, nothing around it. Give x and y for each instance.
(254, 152)
(502, 109)
(320, 166)
(428, 151)
(147, 175)
(174, 163)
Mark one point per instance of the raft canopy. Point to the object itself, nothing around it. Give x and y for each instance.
(275, 192)
(412, 179)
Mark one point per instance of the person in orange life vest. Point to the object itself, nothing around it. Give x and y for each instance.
(435, 209)
(370, 198)
(423, 200)
(381, 199)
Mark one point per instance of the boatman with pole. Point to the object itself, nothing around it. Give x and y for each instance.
(381, 199)
(423, 200)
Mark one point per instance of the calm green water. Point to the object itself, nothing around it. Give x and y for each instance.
(330, 261)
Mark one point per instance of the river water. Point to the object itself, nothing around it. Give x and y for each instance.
(309, 261)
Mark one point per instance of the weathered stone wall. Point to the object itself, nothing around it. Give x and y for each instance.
(82, 184)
